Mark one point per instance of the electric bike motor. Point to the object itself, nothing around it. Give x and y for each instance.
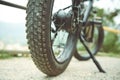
(62, 20)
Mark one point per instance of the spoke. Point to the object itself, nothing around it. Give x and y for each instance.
(58, 36)
(56, 31)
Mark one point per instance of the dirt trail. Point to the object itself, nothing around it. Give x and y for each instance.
(24, 69)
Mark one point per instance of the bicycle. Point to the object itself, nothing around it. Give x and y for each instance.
(53, 34)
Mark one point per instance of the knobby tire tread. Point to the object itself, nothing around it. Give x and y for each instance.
(39, 41)
(37, 45)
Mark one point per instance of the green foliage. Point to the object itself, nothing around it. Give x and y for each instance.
(111, 15)
(100, 12)
(118, 46)
(111, 43)
(107, 17)
(4, 55)
(109, 54)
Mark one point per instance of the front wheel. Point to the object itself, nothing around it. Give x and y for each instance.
(94, 44)
(51, 51)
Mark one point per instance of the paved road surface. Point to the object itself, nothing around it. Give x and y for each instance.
(24, 69)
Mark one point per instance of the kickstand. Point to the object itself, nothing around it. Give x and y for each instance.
(92, 56)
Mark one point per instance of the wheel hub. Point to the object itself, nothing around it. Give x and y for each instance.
(63, 20)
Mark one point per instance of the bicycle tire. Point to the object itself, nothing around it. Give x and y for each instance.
(98, 45)
(38, 31)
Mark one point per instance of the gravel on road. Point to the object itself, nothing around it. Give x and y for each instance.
(24, 69)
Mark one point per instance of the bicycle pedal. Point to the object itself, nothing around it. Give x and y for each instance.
(98, 19)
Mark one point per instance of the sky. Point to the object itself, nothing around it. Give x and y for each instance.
(12, 27)
(108, 4)
(13, 15)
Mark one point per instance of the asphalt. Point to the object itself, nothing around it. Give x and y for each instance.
(24, 69)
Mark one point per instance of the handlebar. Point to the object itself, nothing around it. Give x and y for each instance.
(12, 5)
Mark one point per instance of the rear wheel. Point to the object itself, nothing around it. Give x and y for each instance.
(51, 49)
(94, 44)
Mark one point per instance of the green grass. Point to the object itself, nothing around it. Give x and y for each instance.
(117, 55)
(11, 54)
(5, 55)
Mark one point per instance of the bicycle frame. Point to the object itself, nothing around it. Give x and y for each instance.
(88, 10)
(86, 14)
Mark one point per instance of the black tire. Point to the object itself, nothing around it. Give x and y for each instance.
(82, 56)
(38, 25)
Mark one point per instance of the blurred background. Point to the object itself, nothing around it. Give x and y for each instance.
(13, 36)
